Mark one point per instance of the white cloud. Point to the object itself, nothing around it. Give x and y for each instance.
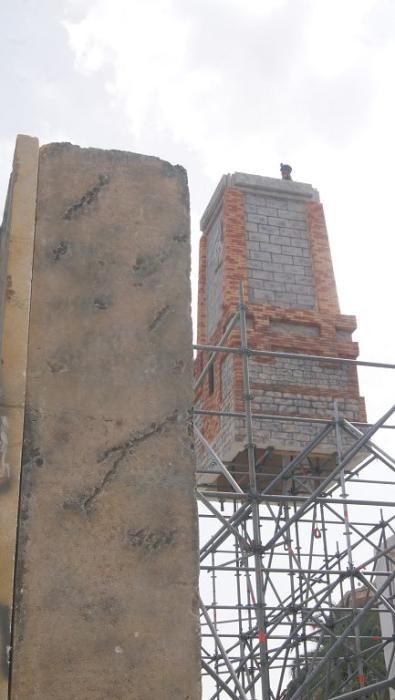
(242, 84)
(335, 35)
(189, 71)
(146, 46)
(224, 85)
(235, 78)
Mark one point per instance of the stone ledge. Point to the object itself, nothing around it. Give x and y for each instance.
(258, 183)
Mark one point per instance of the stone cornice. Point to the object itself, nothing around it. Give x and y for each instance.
(257, 183)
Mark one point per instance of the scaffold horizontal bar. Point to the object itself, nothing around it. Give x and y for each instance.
(280, 498)
(246, 607)
(236, 635)
(232, 323)
(296, 355)
(295, 570)
(276, 417)
(366, 690)
(306, 569)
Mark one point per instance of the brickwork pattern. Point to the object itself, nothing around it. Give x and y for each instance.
(305, 373)
(202, 292)
(312, 405)
(324, 277)
(220, 432)
(214, 275)
(288, 437)
(235, 251)
(278, 247)
(278, 252)
(234, 270)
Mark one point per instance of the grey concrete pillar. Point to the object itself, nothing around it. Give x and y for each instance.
(105, 594)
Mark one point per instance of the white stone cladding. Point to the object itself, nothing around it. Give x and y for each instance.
(290, 437)
(313, 406)
(214, 275)
(227, 398)
(224, 442)
(285, 435)
(291, 371)
(278, 252)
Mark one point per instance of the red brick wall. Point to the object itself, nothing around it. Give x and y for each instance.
(202, 299)
(326, 317)
(324, 278)
(235, 251)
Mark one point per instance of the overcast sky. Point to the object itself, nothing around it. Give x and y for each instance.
(227, 85)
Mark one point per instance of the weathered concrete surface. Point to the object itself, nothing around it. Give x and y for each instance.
(16, 255)
(107, 559)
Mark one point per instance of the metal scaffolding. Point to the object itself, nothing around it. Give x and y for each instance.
(297, 590)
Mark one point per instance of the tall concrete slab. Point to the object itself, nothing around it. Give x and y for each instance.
(106, 575)
(16, 255)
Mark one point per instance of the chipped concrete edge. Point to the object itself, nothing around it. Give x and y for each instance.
(19, 227)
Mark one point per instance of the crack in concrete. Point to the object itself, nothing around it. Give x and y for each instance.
(121, 451)
(87, 503)
(86, 199)
(159, 316)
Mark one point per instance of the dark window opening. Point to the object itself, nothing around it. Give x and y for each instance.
(211, 380)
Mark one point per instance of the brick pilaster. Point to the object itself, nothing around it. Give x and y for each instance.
(202, 294)
(277, 245)
(235, 250)
(325, 283)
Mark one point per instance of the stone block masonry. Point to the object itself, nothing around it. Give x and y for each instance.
(275, 243)
(215, 276)
(278, 252)
(107, 539)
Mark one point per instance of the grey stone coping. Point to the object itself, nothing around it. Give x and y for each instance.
(258, 183)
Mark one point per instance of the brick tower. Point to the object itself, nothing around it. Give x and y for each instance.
(270, 234)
